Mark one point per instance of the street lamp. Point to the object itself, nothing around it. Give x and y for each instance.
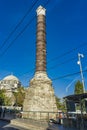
(79, 63)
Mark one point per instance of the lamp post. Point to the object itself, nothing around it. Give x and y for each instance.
(79, 63)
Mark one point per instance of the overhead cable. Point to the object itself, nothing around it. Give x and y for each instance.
(20, 33)
(11, 33)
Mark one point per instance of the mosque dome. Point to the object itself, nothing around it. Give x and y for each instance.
(11, 77)
(10, 83)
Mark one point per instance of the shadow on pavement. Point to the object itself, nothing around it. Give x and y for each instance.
(4, 125)
(53, 126)
(9, 128)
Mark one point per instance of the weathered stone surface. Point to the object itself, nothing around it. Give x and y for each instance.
(40, 96)
(30, 124)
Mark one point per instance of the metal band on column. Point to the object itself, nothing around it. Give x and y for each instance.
(41, 40)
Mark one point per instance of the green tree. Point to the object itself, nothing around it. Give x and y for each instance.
(60, 104)
(7, 101)
(19, 96)
(2, 97)
(78, 88)
(4, 100)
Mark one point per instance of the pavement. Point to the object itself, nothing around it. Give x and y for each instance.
(33, 125)
(4, 125)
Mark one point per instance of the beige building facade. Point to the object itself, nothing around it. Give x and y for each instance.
(10, 83)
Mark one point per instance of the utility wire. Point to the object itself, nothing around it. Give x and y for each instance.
(17, 37)
(26, 26)
(24, 30)
(53, 67)
(69, 60)
(64, 62)
(69, 75)
(68, 52)
(11, 33)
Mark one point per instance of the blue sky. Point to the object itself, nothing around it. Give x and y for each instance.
(66, 27)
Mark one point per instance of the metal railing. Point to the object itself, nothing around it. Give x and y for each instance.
(39, 115)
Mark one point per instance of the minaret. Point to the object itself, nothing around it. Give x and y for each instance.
(40, 97)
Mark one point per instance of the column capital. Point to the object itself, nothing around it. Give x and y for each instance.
(41, 11)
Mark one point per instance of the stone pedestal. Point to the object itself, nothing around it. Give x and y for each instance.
(40, 100)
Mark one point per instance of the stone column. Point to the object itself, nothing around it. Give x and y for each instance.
(41, 40)
(40, 97)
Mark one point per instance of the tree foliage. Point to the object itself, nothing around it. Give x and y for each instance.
(4, 100)
(7, 101)
(60, 104)
(78, 88)
(2, 97)
(19, 96)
